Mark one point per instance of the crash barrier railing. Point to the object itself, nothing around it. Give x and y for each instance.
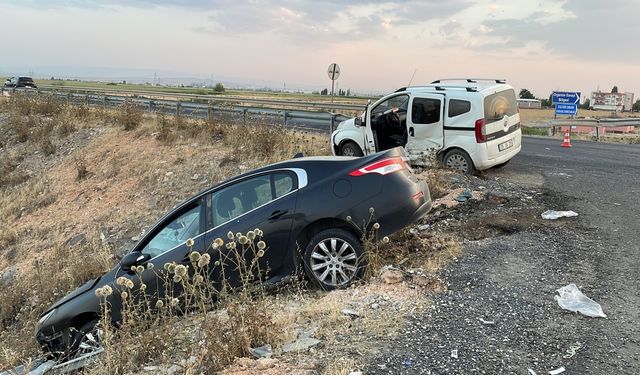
(296, 114)
(590, 122)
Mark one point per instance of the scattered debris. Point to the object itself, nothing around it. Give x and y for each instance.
(486, 321)
(350, 313)
(557, 371)
(531, 372)
(264, 351)
(572, 299)
(553, 215)
(454, 353)
(423, 227)
(465, 196)
(407, 363)
(572, 350)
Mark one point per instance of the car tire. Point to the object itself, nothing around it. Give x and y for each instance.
(350, 149)
(458, 160)
(86, 339)
(333, 259)
(497, 166)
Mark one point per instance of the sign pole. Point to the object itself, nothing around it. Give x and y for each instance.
(332, 83)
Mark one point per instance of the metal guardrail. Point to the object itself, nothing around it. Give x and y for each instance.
(216, 98)
(590, 122)
(295, 114)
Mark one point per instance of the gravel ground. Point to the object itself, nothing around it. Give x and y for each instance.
(499, 315)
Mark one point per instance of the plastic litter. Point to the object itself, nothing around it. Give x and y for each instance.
(572, 299)
(264, 351)
(454, 353)
(407, 363)
(572, 350)
(557, 371)
(553, 215)
(531, 372)
(486, 321)
(466, 194)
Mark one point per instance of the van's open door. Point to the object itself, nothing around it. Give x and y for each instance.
(425, 126)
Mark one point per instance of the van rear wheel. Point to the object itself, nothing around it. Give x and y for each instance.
(350, 149)
(459, 160)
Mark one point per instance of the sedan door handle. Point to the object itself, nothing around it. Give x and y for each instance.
(276, 214)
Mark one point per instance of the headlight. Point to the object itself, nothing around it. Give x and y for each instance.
(45, 317)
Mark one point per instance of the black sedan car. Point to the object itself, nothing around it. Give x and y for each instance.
(311, 211)
(20, 82)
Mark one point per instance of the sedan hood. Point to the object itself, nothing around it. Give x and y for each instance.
(82, 289)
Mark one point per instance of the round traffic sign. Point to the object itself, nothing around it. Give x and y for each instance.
(333, 71)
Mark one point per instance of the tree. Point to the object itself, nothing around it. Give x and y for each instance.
(526, 94)
(586, 104)
(348, 92)
(614, 90)
(219, 87)
(324, 92)
(636, 106)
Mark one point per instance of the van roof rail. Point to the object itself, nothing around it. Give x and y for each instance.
(471, 80)
(444, 88)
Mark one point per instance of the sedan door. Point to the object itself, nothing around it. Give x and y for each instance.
(266, 202)
(167, 242)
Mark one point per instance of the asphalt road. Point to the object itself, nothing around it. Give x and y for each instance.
(509, 278)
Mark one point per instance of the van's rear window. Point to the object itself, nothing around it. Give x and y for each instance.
(497, 105)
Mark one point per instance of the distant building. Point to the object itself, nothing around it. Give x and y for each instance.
(610, 101)
(529, 103)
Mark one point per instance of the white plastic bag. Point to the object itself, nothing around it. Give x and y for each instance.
(572, 299)
(552, 215)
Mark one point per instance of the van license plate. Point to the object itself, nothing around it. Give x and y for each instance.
(505, 145)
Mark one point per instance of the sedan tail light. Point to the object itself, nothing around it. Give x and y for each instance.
(481, 131)
(382, 167)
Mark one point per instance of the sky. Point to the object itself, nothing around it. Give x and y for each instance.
(541, 45)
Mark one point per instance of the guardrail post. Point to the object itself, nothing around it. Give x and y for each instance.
(597, 134)
(285, 118)
(86, 99)
(244, 116)
(150, 106)
(104, 101)
(178, 108)
(209, 111)
(69, 99)
(333, 122)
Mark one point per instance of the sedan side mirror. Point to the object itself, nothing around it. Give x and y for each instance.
(133, 259)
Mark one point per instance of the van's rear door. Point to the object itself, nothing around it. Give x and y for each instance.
(502, 122)
(425, 126)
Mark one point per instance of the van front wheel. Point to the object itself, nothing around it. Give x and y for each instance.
(459, 160)
(350, 149)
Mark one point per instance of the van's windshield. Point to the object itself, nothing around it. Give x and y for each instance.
(497, 105)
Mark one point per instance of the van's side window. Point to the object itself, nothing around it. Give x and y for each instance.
(425, 111)
(458, 107)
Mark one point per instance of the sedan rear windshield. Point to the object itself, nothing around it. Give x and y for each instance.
(497, 105)
(25, 80)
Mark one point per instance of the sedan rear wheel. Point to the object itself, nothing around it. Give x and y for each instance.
(332, 259)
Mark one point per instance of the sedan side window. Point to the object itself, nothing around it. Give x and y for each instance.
(174, 234)
(242, 197)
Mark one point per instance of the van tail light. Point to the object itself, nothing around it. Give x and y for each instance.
(381, 167)
(481, 131)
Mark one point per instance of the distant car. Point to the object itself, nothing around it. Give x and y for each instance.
(468, 124)
(20, 82)
(302, 207)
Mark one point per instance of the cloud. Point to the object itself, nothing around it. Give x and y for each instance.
(589, 29)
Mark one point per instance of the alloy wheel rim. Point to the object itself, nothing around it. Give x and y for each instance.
(90, 341)
(348, 151)
(457, 162)
(334, 262)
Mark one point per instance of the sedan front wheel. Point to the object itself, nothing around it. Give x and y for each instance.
(333, 259)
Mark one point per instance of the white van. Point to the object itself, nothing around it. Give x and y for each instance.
(467, 124)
